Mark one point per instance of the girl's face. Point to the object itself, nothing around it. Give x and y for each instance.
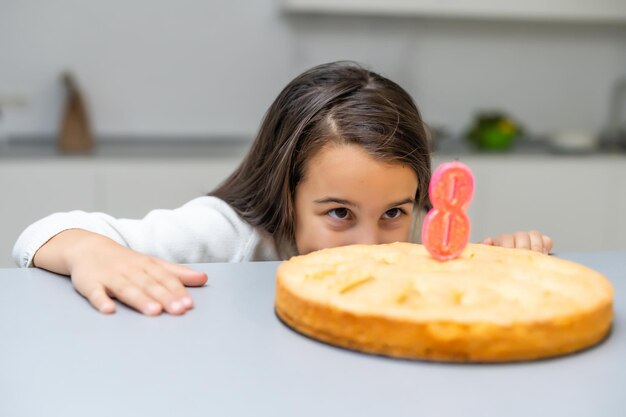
(348, 197)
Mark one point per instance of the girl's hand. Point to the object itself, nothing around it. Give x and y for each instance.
(533, 240)
(102, 269)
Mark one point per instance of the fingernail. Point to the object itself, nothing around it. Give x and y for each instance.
(187, 302)
(152, 308)
(176, 306)
(107, 307)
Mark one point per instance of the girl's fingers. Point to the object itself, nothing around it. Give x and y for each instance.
(173, 286)
(522, 240)
(506, 241)
(187, 276)
(488, 241)
(532, 240)
(170, 301)
(97, 296)
(147, 284)
(536, 241)
(133, 296)
(547, 244)
(166, 288)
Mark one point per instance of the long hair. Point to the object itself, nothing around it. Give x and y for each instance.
(336, 102)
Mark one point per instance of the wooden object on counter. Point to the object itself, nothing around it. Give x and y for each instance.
(75, 134)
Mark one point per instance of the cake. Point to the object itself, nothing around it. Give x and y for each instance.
(491, 304)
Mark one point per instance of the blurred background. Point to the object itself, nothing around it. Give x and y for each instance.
(126, 106)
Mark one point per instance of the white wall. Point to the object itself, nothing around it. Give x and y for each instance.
(211, 68)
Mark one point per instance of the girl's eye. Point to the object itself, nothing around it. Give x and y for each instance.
(393, 213)
(341, 213)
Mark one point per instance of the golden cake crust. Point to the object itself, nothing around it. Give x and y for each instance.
(489, 305)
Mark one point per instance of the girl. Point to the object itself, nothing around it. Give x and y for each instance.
(341, 157)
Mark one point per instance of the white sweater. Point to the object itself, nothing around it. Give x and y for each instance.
(205, 229)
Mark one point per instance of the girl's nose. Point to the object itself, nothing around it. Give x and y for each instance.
(368, 236)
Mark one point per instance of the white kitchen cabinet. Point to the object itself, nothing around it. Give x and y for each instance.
(579, 201)
(132, 188)
(615, 225)
(30, 190)
(553, 10)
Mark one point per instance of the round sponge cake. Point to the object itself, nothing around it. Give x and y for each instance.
(489, 305)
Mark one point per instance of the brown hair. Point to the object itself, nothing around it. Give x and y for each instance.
(340, 102)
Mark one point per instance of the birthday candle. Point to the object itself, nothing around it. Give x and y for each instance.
(446, 227)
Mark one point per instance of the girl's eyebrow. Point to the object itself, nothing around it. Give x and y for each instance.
(335, 200)
(344, 202)
(401, 202)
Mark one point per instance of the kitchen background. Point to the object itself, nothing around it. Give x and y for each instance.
(176, 90)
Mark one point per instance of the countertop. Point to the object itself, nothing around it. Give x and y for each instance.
(208, 147)
(231, 356)
(120, 148)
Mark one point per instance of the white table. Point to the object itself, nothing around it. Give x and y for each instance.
(231, 356)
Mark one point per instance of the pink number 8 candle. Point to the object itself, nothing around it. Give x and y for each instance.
(446, 228)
